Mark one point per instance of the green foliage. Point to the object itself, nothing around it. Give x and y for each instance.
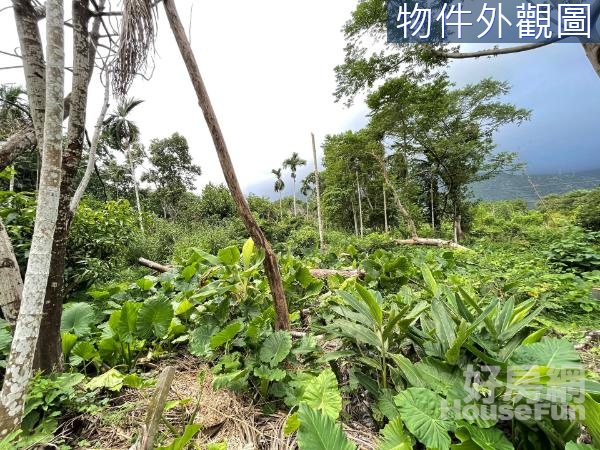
(319, 432)
(576, 252)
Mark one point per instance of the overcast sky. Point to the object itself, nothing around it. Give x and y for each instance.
(268, 66)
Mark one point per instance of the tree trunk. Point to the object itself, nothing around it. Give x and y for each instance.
(280, 208)
(135, 188)
(11, 183)
(431, 202)
(355, 220)
(362, 231)
(403, 211)
(385, 216)
(592, 51)
(294, 184)
(34, 68)
(10, 279)
(282, 321)
(48, 355)
(317, 184)
(20, 360)
(83, 184)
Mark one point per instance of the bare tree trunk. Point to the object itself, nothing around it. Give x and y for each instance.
(592, 51)
(403, 211)
(355, 219)
(48, 354)
(431, 202)
(135, 187)
(282, 321)
(20, 360)
(10, 279)
(317, 184)
(385, 216)
(280, 208)
(83, 184)
(362, 232)
(294, 184)
(11, 183)
(34, 68)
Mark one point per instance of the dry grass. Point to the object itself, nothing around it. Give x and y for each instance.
(224, 415)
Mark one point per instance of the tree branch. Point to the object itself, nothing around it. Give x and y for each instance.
(495, 51)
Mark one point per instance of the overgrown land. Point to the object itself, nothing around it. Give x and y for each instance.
(380, 306)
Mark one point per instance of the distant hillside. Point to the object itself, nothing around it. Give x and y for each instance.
(506, 187)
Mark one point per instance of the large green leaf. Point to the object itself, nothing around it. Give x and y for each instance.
(229, 255)
(77, 318)
(200, 339)
(372, 303)
(592, 418)
(322, 394)
(126, 325)
(247, 251)
(184, 440)
(576, 446)
(420, 410)
(551, 352)
(394, 437)
(276, 347)
(154, 318)
(226, 334)
(488, 438)
(319, 432)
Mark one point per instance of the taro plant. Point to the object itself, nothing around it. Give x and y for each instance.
(371, 330)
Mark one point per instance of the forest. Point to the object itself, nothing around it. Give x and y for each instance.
(370, 301)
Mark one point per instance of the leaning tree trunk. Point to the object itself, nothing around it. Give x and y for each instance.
(282, 321)
(83, 184)
(317, 184)
(20, 360)
(10, 279)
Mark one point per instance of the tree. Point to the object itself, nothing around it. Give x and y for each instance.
(123, 134)
(172, 172)
(292, 163)
(318, 188)
(20, 360)
(432, 124)
(282, 320)
(369, 59)
(216, 203)
(278, 187)
(307, 187)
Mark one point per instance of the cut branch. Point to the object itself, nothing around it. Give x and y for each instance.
(430, 242)
(282, 321)
(494, 51)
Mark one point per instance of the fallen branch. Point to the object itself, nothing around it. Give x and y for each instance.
(155, 410)
(596, 293)
(154, 265)
(324, 273)
(430, 242)
(317, 273)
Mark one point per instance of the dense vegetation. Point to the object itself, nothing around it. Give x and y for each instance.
(381, 296)
(402, 336)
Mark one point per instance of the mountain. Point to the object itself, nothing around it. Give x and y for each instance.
(506, 186)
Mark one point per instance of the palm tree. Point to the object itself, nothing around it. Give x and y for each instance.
(279, 187)
(307, 187)
(123, 133)
(293, 163)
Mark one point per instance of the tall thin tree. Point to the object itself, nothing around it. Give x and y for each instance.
(278, 187)
(292, 163)
(124, 133)
(318, 188)
(20, 360)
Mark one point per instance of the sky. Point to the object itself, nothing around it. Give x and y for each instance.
(268, 66)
